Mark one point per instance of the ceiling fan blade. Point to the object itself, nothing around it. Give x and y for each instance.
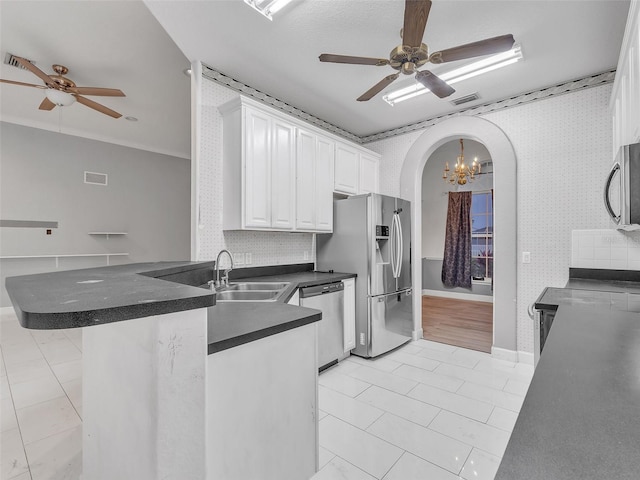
(475, 49)
(22, 83)
(46, 104)
(434, 83)
(103, 92)
(329, 57)
(416, 13)
(36, 71)
(378, 87)
(96, 106)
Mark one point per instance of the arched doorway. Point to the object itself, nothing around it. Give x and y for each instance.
(504, 159)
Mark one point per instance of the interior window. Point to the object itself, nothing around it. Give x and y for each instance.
(482, 235)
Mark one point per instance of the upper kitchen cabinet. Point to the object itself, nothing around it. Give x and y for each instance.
(259, 168)
(314, 199)
(356, 170)
(625, 99)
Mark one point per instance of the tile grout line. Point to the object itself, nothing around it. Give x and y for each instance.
(15, 413)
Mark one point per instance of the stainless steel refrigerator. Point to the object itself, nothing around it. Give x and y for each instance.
(372, 238)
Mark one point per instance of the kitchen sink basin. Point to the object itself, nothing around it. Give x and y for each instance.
(247, 296)
(244, 286)
(251, 292)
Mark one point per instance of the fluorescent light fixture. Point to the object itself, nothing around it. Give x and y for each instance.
(267, 7)
(474, 69)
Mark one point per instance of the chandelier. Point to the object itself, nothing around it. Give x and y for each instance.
(461, 173)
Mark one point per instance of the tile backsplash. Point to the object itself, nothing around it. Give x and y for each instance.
(610, 249)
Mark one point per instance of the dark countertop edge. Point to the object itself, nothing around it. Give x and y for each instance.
(88, 318)
(269, 270)
(159, 273)
(258, 334)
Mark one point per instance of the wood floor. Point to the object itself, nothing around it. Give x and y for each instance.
(462, 323)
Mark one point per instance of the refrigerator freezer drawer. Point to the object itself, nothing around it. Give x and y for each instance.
(390, 321)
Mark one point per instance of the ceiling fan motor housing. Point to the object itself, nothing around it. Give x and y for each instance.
(407, 59)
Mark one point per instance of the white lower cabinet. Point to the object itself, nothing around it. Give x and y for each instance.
(349, 314)
(295, 298)
(314, 171)
(262, 408)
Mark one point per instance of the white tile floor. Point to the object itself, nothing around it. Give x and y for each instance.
(427, 410)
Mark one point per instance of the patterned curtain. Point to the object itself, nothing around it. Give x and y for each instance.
(456, 265)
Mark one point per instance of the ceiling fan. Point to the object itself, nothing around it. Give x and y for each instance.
(412, 53)
(60, 91)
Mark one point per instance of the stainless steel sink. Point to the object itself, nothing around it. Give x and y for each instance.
(256, 286)
(247, 296)
(251, 292)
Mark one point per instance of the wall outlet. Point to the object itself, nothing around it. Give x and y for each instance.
(526, 257)
(306, 255)
(361, 338)
(238, 258)
(247, 258)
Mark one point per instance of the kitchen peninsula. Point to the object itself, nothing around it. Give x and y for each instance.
(162, 367)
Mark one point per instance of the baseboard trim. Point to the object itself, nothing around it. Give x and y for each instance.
(417, 334)
(504, 354)
(526, 358)
(460, 296)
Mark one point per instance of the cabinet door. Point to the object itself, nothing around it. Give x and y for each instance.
(346, 169)
(325, 153)
(283, 179)
(305, 184)
(257, 169)
(369, 167)
(349, 314)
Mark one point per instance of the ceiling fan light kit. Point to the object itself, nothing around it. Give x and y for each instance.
(62, 92)
(413, 54)
(474, 69)
(60, 98)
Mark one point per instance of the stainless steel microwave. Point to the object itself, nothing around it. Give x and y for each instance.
(622, 189)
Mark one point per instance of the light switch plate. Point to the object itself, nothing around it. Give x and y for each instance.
(526, 257)
(247, 259)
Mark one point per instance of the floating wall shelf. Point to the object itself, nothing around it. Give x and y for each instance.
(70, 255)
(27, 224)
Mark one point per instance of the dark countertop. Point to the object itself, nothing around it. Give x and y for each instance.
(580, 416)
(93, 296)
(235, 323)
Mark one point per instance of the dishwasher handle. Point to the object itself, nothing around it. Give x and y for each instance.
(315, 290)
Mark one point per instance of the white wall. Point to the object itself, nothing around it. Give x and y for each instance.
(563, 149)
(147, 196)
(266, 248)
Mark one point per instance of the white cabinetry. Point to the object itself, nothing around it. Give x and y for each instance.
(625, 100)
(369, 171)
(356, 170)
(349, 314)
(314, 207)
(259, 169)
(346, 169)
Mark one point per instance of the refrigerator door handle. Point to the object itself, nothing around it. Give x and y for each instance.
(400, 245)
(393, 248)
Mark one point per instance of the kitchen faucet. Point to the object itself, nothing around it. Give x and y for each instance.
(225, 276)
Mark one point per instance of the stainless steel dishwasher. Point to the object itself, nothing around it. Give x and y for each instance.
(329, 298)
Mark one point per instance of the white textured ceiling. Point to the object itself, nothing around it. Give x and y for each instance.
(120, 44)
(561, 40)
(113, 44)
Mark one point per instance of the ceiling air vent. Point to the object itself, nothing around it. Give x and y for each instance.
(10, 59)
(465, 99)
(95, 178)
